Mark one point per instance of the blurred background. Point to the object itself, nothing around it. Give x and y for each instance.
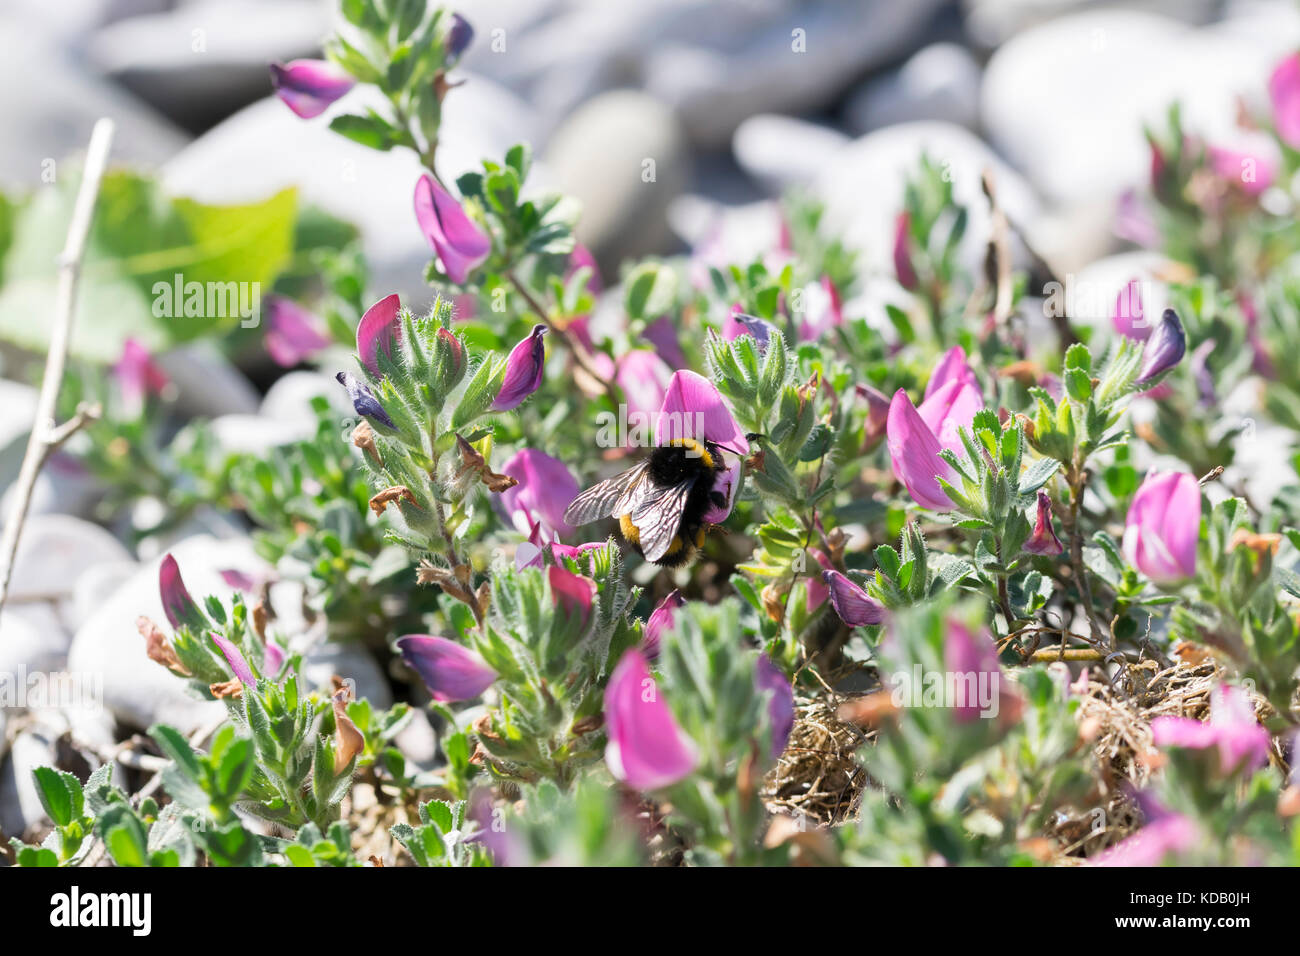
(735, 101)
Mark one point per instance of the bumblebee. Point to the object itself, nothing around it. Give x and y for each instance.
(660, 503)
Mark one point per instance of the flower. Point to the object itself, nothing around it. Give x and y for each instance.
(535, 506)
(380, 328)
(292, 333)
(450, 671)
(1163, 834)
(1243, 744)
(176, 601)
(647, 749)
(739, 323)
(903, 254)
(460, 245)
(1163, 525)
(855, 606)
(662, 334)
(818, 590)
(459, 37)
(877, 411)
(661, 619)
(308, 87)
(1128, 318)
(572, 593)
(238, 580)
(916, 436)
(1133, 222)
(822, 309)
(235, 659)
(694, 408)
(643, 376)
(363, 399)
(272, 658)
(1284, 92)
(1251, 173)
(952, 367)
(1164, 349)
(137, 375)
(780, 705)
(973, 661)
(524, 368)
(1044, 539)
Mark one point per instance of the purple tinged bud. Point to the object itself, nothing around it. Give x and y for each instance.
(855, 606)
(1201, 372)
(524, 368)
(661, 619)
(1163, 525)
(572, 593)
(272, 658)
(235, 659)
(458, 40)
(1044, 539)
(380, 328)
(308, 87)
(292, 333)
(450, 671)
(1164, 350)
(176, 601)
(647, 750)
(780, 705)
(903, 254)
(363, 399)
(877, 411)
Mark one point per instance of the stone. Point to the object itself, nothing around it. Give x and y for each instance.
(351, 662)
(257, 434)
(780, 151)
(289, 398)
(53, 551)
(624, 157)
(939, 82)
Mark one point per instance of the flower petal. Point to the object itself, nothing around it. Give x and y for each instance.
(855, 606)
(647, 749)
(450, 671)
(693, 405)
(524, 367)
(459, 243)
(914, 453)
(235, 659)
(308, 87)
(545, 489)
(780, 705)
(661, 619)
(292, 333)
(379, 328)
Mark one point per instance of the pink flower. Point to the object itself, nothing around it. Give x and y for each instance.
(662, 334)
(661, 619)
(916, 436)
(235, 659)
(973, 660)
(1133, 222)
(292, 333)
(460, 245)
(450, 671)
(877, 411)
(137, 375)
(822, 310)
(952, 367)
(379, 329)
(308, 87)
(535, 506)
(903, 253)
(644, 378)
(855, 607)
(1249, 172)
(818, 589)
(1169, 833)
(738, 323)
(647, 749)
(1129, 319)
(1284, 91)
(694, 408)
(572, 594)
(780, 703)
(1243, 744)
(176, 601)
(1163, 525)
(1044, 539)
(524, 367)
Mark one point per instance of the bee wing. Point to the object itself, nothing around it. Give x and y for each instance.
(613, 496)
(659, 517)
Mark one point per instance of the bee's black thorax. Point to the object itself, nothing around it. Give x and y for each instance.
(685, 458)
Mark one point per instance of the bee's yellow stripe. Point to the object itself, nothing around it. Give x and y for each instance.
(630, 531)
(690, 444)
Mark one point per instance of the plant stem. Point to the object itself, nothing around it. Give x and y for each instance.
(45, 436)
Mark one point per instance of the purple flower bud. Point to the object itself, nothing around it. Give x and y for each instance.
(780, 705)
(524, 368)
(1164, 349)
(363, 399)
(235, 659)
(460, 245)
(455, 354)
(903, 253)
(176, 601)
(1044, 539)
(855, 606)
(1163, 525)
(292, 333)
(877, 411)
(450, 672)
(647, 749)
(308, 87)
(661, 619)
(272, 658)
(738, 323)
(137, 375)
(379, 328)
(459, 37)
(1129, 319)
(572, 593)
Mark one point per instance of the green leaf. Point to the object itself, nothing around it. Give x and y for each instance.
(1037, 475)
(372, 130)
(60, 795)
(651, 291)
(139, 243)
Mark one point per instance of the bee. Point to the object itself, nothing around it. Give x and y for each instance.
(660, 503)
